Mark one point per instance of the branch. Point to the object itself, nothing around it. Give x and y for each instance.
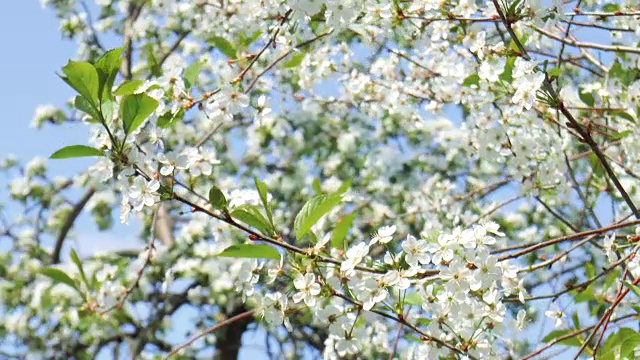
(77, 209)
(208, 331)
(586, 45)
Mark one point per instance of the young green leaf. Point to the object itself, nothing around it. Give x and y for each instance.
(191, 74)
(135, 109)
(76, 260)
(473, 79)
(312, 211)
(60, 277)
(83, 78)
(167, 119)
(250, 215)
(315, 184)
(572, 341)
(295, 60)
(216, 198)
(341, 230)
(264, 198)
(73, 151)
(251, 251)
(224, 46)
(128, 87)
(108, 66)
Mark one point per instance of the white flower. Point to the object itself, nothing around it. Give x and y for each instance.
(354, 257)
(610, 247)
(172, 161)
(415, 251)
(556, 314)
(441, 251)
(143, 193)
(521, 319)
(308, 287)
(383, 235)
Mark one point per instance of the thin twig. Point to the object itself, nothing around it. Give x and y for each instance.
(213, 328)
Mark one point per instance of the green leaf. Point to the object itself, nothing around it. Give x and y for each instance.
(167, 119)
(473, 79)
(623, 114)
(572, 341)
(554, 72)
(621, 135)
(135, 109)
(152, 62)
(76, 260)
(81, 103)
(587, 98)
(108, 66)
(107, 110)
(216, 198)
(508, 69)
(224, 46)
(59, 277)
(250, 215)
(611, 7)
(341, 230)
(73, 151)
(315, 184)
(312, 211)
(262, 251)
(128, 87)
(264, 196)
(295, 60)
(83, 78)
(413, 298)
(634, 288)
(191, 74)
(624, 340)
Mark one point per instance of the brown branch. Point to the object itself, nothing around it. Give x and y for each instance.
(542, 244)
(586, 45)
(75, 212)
(217, 326)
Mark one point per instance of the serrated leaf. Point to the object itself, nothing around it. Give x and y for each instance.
(473, 79)
(73, 151)
(261, 251)
(250, 215)
(264, 198)
(108, 66)
(191, 74)
(295, 60)
(128, 87)
(59, 277)
(76, 260)
(135, 109)
(223, 45)
(341, 230)
(312, 211)
(83, 78)
(217, 198)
